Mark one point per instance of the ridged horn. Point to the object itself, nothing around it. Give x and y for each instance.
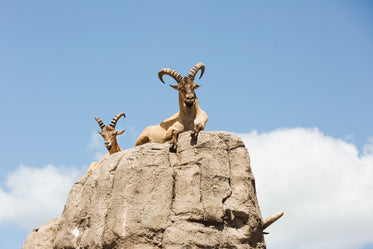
(195, 69)
(170, 72)
(272, 219)
(100, 123)
(115, 119)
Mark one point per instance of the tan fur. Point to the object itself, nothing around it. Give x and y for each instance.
(163, 132)
(188, 118)
(93, 165)
(110, 137)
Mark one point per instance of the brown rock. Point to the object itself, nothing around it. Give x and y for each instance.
(203, 196)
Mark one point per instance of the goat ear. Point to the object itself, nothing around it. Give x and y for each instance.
(197, 86)
(175, 87)
(120, 132)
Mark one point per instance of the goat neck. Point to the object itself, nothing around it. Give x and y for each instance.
(114, 148)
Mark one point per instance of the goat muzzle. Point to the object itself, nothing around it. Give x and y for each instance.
(189, 103)
(108, 145)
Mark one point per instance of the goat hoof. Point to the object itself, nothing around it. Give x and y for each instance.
(173, 147)
(194, 135)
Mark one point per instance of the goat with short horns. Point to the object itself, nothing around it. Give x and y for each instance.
(109, 134)
(189, 117)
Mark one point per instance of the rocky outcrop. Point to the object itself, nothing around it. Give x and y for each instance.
(202, 196)
(42, 237)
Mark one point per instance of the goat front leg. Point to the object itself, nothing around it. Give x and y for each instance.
(196, 130)
(173, 142)
(199, 123)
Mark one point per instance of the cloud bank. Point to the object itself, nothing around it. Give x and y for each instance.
(321, 183)
(35, 195)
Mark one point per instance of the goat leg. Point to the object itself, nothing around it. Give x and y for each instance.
(196, 131)
(173, 142)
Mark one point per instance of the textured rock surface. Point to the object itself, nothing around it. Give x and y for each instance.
(42, 237)
(203, 196)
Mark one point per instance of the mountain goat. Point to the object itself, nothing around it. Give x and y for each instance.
(109, 134)
(190, 116)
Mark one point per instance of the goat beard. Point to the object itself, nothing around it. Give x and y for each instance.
(189, 104)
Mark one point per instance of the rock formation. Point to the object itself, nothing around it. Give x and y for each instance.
(202, 196)
(42, 237)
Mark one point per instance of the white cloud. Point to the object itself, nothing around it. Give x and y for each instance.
(35, 195)
(321, 183)
(96, 145)
(96, 141)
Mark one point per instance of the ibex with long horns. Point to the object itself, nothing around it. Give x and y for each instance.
(190, 116)
(109, 134)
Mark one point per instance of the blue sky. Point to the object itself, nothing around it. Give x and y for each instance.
(270, 65)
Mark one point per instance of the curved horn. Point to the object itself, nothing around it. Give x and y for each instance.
(100, 123)
(115, 119)
(195, 69)
(170, 72)
(272, 219)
